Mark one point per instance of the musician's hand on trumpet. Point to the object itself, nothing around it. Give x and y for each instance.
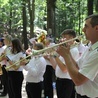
(29, 51)
(23, 61)
(64, 49)
(62, 40)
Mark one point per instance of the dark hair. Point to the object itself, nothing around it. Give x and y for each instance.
(69, 32)
(39, 46)
(17, 46)
(94, 19)
(2, 40)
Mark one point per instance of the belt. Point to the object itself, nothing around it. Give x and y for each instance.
(33, 82)
(61, 78)
(84, 96)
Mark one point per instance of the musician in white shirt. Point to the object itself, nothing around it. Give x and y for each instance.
(64, 85)
(15, 73)
(49, 73)
(36, 68)
(1, 51)
(4, 63)
(84, 72)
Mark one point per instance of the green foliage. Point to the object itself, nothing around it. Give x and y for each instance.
(96, 5)
(68, 14)
(10, 10)
(40, 13)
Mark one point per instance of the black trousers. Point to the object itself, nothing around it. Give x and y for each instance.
(34, 90)
(15, 79)
(48, 80)
(0, 81)
(65, 88)
(4, 80)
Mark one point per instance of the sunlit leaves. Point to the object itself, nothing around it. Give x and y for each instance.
(40, 12)
(3, 2)
(68, 14)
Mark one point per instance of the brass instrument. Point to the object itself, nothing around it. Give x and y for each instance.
(8, 67)
(38, 52)
(41, 35)
(41, 38)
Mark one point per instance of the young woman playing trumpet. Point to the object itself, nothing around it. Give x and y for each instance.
(15, 73)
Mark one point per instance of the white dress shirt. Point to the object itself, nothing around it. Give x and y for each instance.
(48, 62)
(59, 73)
(36, 68)
(88, 66)
(7, 51)
(15, 58)
(82, 48)
(1, 50)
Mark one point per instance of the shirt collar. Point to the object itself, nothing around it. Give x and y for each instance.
(94, 46)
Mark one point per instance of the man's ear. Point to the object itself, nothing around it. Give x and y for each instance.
(96, 27)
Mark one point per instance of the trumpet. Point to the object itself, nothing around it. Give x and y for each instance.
(38, 52)
(14, 64)
(42, 51)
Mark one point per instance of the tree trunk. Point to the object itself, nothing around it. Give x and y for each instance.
(24, 33)
(51, 17)
(90, 6)
(31, 8)
(96, 5)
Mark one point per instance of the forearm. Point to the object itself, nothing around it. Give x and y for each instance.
(53, 62)
(71, 65)
(61, 64)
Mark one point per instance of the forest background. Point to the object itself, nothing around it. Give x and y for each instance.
(22, 17)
